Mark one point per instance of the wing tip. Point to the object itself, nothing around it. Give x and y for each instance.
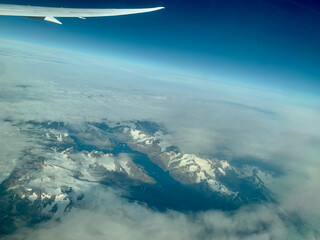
(159, 8)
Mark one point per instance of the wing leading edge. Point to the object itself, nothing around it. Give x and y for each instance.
(50, 13)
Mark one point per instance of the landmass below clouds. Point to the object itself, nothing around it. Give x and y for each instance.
(203, 117)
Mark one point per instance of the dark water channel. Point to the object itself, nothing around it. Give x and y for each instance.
(167, 193)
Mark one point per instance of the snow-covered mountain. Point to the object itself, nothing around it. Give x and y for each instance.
(66, 162)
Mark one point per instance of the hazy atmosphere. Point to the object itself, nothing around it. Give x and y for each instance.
(164, 125)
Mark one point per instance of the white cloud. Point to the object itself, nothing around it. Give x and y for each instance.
(202, 117)
(110, 217)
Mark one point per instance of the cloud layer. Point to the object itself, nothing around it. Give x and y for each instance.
(205, 117)
(109, 216)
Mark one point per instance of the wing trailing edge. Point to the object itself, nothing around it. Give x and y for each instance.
(47, 19)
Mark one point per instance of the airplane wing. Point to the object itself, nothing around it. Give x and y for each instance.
(50, 13)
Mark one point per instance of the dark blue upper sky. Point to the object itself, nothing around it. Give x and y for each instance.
(271, 42)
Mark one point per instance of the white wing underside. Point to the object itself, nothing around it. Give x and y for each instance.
(50, 13)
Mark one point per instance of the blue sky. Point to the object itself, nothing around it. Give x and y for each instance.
(273, 43)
